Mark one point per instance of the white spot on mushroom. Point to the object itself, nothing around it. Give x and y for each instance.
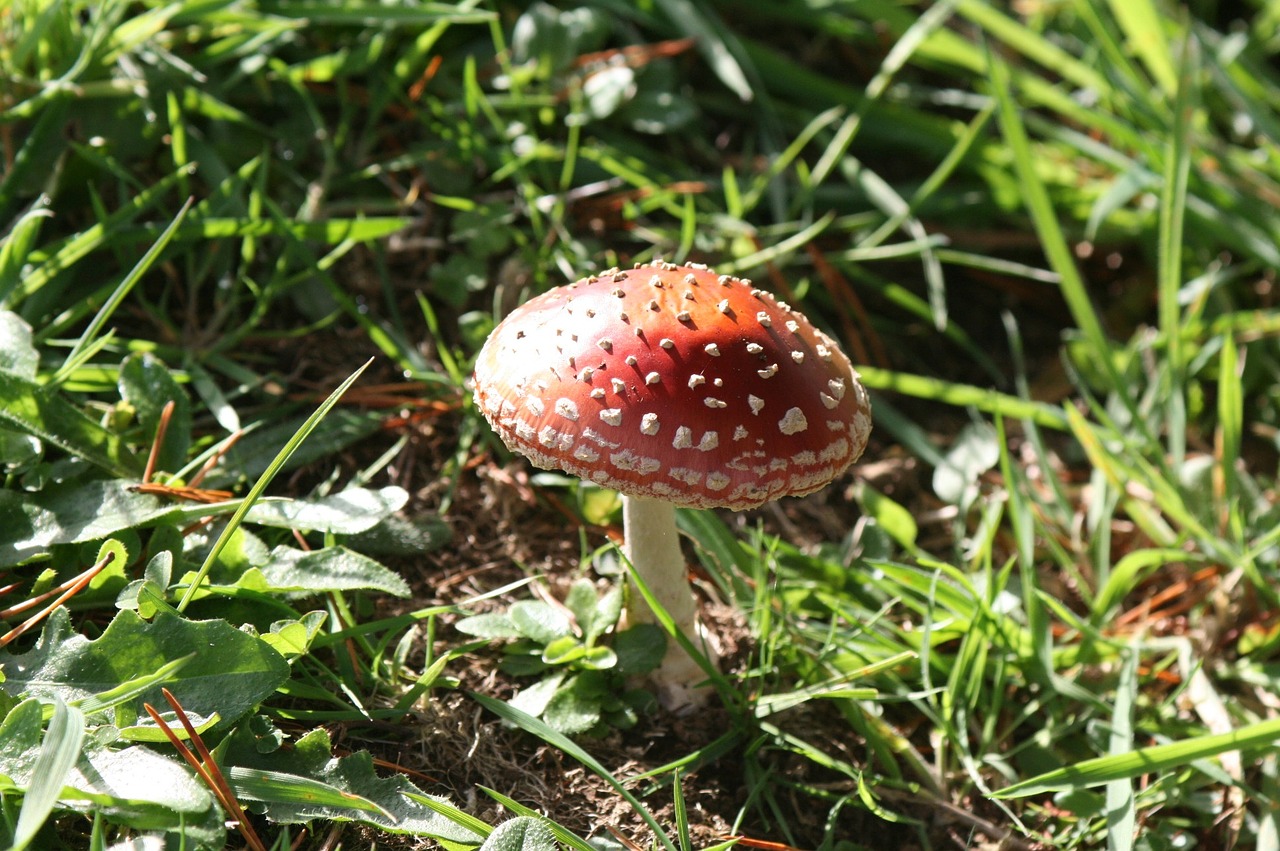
(567, 408)
(718, 481)
(763, 318)
(684, 316)
(695, 380)
(586, 374)
(754, 348)
(710, 440)
(712, 402)
(548, 437)
(599, 439)
(685, 475)
(618, 291)
(652, 378)
(712, 349)
(605, 343)
(629, 460)
(828, 401)
(649, 424)
(535, 406)
(631, 360)
(667, 343)
(797, 356)
(824, 352)
(834, 450)
(524, 431)
(653, 304)
(792, 421)
(586, 453)
(597, 393)
(768, 372)
(723, 306)
(836, 385)
(804, 458)
(684, 438)
(690, 279)
(725, 280)
(793, 326)
(619, 386)
(740, 432)
(612, 416)
(656, 281)
(756, 403)
(836, 425)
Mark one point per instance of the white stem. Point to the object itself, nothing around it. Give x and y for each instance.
(653, 548)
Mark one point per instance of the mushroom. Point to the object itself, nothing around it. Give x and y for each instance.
(677, 387)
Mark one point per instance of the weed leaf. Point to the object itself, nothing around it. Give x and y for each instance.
(230, 674)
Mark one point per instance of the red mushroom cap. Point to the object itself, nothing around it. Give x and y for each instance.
(674, 383)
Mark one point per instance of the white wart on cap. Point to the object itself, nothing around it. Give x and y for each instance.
(674, 383)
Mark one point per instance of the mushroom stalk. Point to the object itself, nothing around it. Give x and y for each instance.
(653, 548)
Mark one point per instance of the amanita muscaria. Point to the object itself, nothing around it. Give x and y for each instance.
(677, 387)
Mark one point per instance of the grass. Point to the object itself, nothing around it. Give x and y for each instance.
(1042, 611)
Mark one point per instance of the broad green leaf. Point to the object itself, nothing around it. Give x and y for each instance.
(329, 569)
(232, 681)
(575, 706)
(347, 512)
(336, 789)
(72, 513)
(607, 611)
(147, 385)
(581, 601)
(640, 649)
(539, 621)
(489, 625)
(521, 834)
(535, 698)
(17, 353)
(400, 536)
(563, 650)
(133, 785)
(292, 638)
(44, 413)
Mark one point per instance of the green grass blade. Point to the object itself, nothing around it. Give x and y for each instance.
(73, 359)
(1173, 207)
(1144, 28)
(261, 485)
(1121, 812)
(963, 395)
(1154, 759)
(1040, 208)
(58, 754)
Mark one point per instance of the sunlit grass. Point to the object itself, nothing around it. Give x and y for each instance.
(1044, 605)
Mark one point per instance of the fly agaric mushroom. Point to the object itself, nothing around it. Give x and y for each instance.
(676, 387)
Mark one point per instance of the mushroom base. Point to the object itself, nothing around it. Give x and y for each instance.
(653, 548)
